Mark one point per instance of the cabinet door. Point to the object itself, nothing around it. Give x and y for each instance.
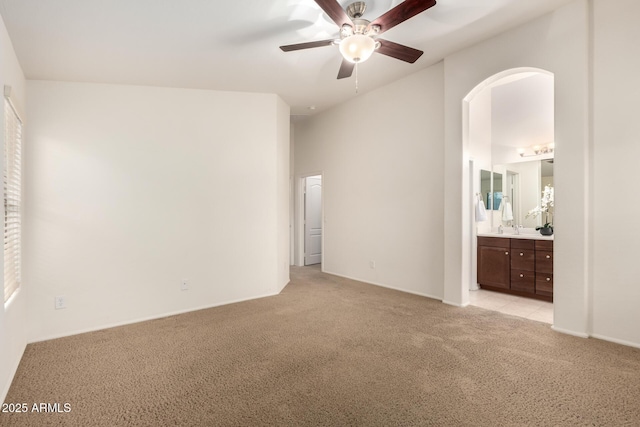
(493, 266)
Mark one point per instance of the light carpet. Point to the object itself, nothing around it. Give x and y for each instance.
(330, 351)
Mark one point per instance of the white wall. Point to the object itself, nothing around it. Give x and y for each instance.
(480, 151)
(616, 149)
(13, 316)
(557, 42)
(381, 157)
(131, 189)
(283, 174)
(292, 232)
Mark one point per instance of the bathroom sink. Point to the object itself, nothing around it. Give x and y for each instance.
(509, 233)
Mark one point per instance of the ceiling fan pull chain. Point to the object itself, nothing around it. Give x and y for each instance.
(356, 77)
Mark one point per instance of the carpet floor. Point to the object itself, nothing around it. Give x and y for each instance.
(332, 352)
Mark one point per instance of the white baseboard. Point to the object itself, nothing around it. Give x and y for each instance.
(144, 319)
(382, 285)
(597, 336)
(569, 332)
(455, 304)
(616, 340)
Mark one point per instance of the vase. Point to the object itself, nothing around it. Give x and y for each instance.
(546, 231)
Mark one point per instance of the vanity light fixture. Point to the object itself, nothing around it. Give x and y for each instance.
(537, 150)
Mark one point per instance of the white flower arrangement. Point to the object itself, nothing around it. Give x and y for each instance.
(546, 203)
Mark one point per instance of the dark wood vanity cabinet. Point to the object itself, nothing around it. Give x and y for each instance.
(519, 266)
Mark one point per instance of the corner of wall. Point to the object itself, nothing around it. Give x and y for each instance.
(13, 316)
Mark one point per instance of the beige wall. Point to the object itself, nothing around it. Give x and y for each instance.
(283, 174)
(13, 316)
(132, 189)
(615, 206)
(596, 291)
(381, 157)
(557, 43)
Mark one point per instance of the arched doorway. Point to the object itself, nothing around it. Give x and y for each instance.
(508, 130)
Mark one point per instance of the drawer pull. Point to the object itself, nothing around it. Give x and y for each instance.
(548, 279)
(521, 254)
(506, 253)
(522, 275)
(548, 256)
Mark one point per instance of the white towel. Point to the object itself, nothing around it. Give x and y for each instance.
(507, 212)
(481, 212)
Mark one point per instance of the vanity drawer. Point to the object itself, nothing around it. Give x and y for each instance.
(496, 242)
(544, 262)
(523, 259)
(544, 284)
(522, 244)
(544, 245)
(523, 281)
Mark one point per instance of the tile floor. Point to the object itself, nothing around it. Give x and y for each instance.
(533, 309)
(529, 308)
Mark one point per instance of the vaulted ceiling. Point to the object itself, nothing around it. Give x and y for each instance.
(233, 45)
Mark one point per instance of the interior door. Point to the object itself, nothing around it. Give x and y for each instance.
(313, 220)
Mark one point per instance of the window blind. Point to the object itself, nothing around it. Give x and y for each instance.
(12, 179)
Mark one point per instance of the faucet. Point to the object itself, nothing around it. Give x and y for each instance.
(500, 229)
(516, 229)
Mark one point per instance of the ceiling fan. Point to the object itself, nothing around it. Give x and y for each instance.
(359, 37)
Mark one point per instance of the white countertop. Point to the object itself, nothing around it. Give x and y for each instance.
(508, 234)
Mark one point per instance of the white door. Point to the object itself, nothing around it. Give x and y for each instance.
(313, 220)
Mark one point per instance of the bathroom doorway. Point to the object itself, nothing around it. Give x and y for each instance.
(510, 132)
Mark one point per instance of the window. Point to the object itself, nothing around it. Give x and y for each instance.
(12, 179)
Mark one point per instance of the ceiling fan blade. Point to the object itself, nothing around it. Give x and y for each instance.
(308, 45)
(346, 69)
(335, 12)
(398, 51)
(405, 10)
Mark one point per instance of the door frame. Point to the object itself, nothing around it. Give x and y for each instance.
(299, 218)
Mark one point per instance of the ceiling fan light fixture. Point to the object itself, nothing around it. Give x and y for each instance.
(357, 48)
(358, 36)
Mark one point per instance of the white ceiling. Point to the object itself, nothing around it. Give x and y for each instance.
(233, 44)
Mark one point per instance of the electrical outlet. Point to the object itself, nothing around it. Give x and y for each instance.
(60, 302)
(372, 264)
(184, 285)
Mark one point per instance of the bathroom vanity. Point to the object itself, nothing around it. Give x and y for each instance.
(516, 264)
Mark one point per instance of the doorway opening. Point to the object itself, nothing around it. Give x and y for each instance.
(509, 132)
(313, 220)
